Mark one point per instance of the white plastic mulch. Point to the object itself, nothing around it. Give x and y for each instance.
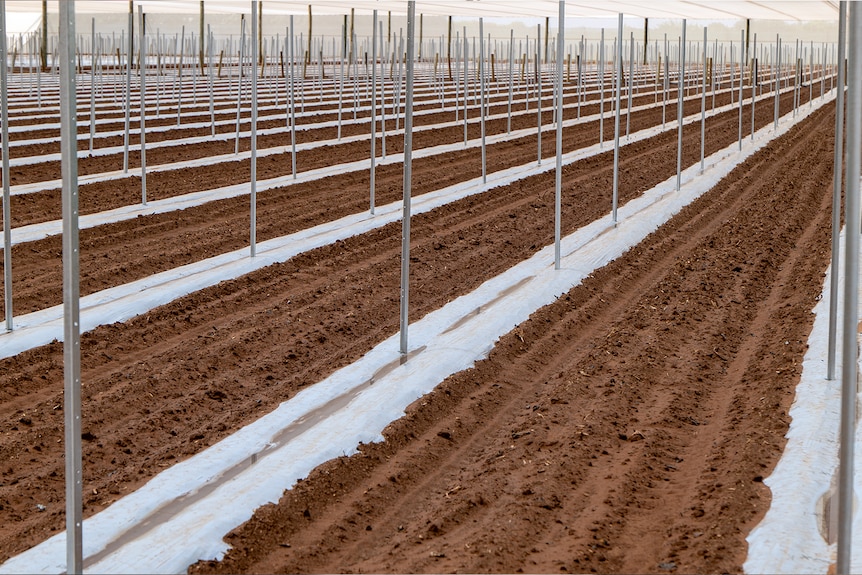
(181, 515)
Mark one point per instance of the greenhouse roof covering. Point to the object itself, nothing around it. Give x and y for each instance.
(794, 10)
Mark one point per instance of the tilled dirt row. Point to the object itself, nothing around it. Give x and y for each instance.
(46, 171)
(626, 428)
(42, 206)
(167, 384)
(118, 253)
(317, 111)
(311, 112)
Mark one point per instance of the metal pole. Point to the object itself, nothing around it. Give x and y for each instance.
(307, 61)
(93, 85)
(239, 85)
(253, 209)
(797, 76)
(547, 21)
(580, 75)
(383, 97)
(732, 73)
(466, 85)
(666, 82)
(43, 41)
(851, 292)
(618, 75)
(602, 91)
(712, 68)
(201, 28)
(449, 59)
(71, 289)
(811, 77)
(823, 72)
(836, 193)
(646, 38)
(373, 106)
(341, 75)
(142, 62)
(211, 79)
(457, 76)
(128, 92)
(482, 100)
(741, 75)
(679, 107)
(631, 84)
(538, 90)
(558, 183)
(754, 65)
(7, 211)
(777, 72)
(511, 82)
(703, 106)
(180, 74)
(408, 178)
(292, 105)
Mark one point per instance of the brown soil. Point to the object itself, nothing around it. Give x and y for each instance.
(181, 152)
(624, 429)
(122, 252)
(563, 450)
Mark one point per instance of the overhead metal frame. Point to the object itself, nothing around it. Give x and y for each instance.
(792, 10)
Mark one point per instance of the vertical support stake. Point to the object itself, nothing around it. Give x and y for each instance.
(7, 212)
(558, 183)
(836, 194)
(851, 292)
(408, 179)
(71, 289)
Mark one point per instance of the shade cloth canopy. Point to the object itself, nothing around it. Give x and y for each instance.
(793, 10)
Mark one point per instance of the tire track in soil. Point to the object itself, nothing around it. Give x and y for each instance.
(121, 252)
(164, 386)
(655, 394)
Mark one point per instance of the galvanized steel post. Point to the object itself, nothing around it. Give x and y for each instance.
(618, 75)
(679, 108)
(128, 92)
(7, 211)
(703, 106)
(836, 194)
(850, 354)
(482, 101)
(142, 62)
(253, 208)
(558, 182)
(71, 289)
(408, 179)
(373, 108)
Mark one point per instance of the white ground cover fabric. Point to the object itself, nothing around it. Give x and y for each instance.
(181, 515)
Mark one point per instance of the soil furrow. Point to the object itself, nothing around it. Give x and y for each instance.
(654, 394)
(31, 208)
(122, 252)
